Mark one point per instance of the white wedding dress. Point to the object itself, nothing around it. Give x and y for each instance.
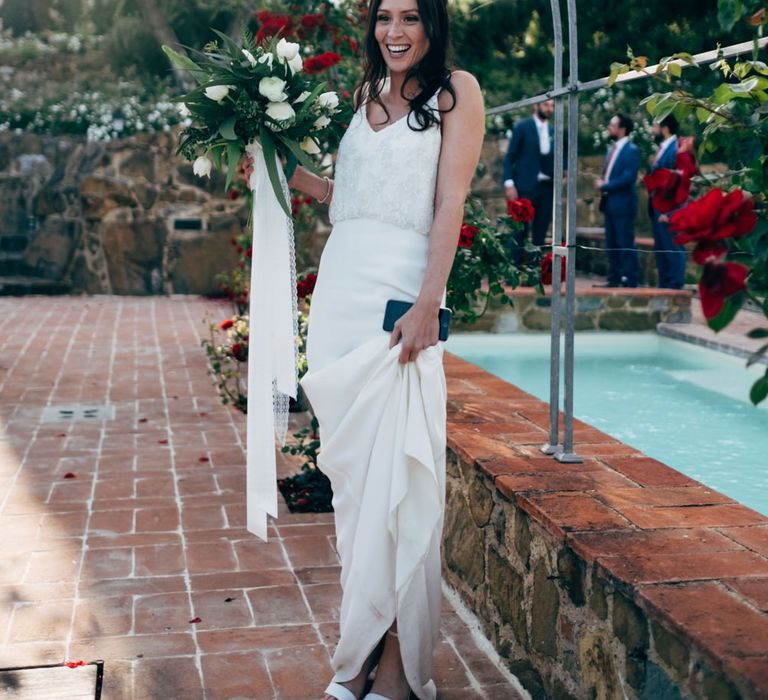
(382, 423)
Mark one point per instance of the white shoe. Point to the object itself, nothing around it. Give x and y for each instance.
(340, 692)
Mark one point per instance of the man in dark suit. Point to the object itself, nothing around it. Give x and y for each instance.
(618, 201)
(670, 257)
(528, 171)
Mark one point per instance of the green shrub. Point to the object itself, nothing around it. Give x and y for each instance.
(130, 48)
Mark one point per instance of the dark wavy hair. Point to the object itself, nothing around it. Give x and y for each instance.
(431, 72)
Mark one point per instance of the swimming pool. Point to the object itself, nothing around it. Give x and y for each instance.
(682, 404)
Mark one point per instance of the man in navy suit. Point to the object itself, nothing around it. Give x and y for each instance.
(528, 171)
(670, 257)
(618, 201)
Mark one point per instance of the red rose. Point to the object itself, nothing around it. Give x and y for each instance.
(233, 194)
(306, 286)
(353, 44)
(227, 323)
(467, 235)
(240, 351)
(714, 216)
(521, 209)
(312, 21)
(547, 263)
(719, 280)
(706, 251)
(667, 189)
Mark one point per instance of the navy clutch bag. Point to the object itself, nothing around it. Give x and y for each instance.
(396, 308)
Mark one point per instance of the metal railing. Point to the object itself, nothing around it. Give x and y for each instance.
(564, 229)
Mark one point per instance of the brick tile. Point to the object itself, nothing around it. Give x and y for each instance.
(255, 554)
(570, 512)
(649, 472)
(210, 557)
(650, 568)
(754, 589)
(324, 600)
(164, 612)
(41, 620)
(216, 613)
(448, 671)
(519, 464)
(108, 563)
(299, 673)
(157, 519)
(558, 480)
(103, 617)
(51, 566)
(753, 537)
(168, 678)
(153, 487)
(711, 618)
(237, 675)
(31, 653)
(257, 638)
(692, 516)
(159, 560)
(241, 579)
(278, 605)
(204, 517)
(470, 445)
(662, 496)
(312, 550)
(318, 574)
(33, 592)
(753, 670)
(634, 543)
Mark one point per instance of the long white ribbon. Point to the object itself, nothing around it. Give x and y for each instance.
(272, 342)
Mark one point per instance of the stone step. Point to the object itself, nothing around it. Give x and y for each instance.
(22, 285)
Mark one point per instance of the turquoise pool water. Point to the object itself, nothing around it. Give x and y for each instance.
(684, 405)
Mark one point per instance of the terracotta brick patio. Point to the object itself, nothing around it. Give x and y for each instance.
(120, 533)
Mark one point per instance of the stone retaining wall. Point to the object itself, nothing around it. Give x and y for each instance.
(616, 578)
(617, 309)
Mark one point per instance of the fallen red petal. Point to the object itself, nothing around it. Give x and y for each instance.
(75, 664)
(163, 442)
(195, 620)
(203, 459)
(69, 475)
(143, 420)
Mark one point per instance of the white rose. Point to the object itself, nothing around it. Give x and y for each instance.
(286, 49)
(249, 56)
(272, 89)
(202, 166)
(266, 58)
(309, 145)
(280, 111)
(295, 63)
(304, 95)
(218, 92)
(321, 122)
(328, 99)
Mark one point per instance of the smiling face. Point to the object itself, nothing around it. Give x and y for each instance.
(400, 33)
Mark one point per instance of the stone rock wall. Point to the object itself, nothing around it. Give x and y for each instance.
(125, 217)
(596, 310)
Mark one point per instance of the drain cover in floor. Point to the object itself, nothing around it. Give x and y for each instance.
(76, 412)
(54, 682)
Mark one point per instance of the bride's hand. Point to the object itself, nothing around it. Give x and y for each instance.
(417, 329)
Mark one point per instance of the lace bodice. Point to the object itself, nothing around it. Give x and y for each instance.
(388, 175)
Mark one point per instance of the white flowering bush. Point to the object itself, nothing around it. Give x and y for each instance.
(253, 92)
(29, 46)
(100, 115)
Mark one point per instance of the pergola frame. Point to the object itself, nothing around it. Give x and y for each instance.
(563, 311)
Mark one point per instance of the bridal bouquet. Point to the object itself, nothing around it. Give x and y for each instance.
(253, 95)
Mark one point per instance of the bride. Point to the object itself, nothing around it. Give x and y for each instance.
(402, 174)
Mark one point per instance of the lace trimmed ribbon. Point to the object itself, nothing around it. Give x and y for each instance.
(273, 340)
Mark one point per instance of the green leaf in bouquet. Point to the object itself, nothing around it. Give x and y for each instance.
(182, 61)
(234, 151)
(290, 166)
(234, 49)
(227, 129)
(269, 156)
(302, 156)
(307, 103)
(216, 154)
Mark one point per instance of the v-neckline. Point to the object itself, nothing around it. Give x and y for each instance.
(365, 115)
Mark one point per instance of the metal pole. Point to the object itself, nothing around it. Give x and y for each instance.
(553, 446)
(567, 454)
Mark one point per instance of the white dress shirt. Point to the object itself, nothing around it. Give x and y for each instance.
(619, 145)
